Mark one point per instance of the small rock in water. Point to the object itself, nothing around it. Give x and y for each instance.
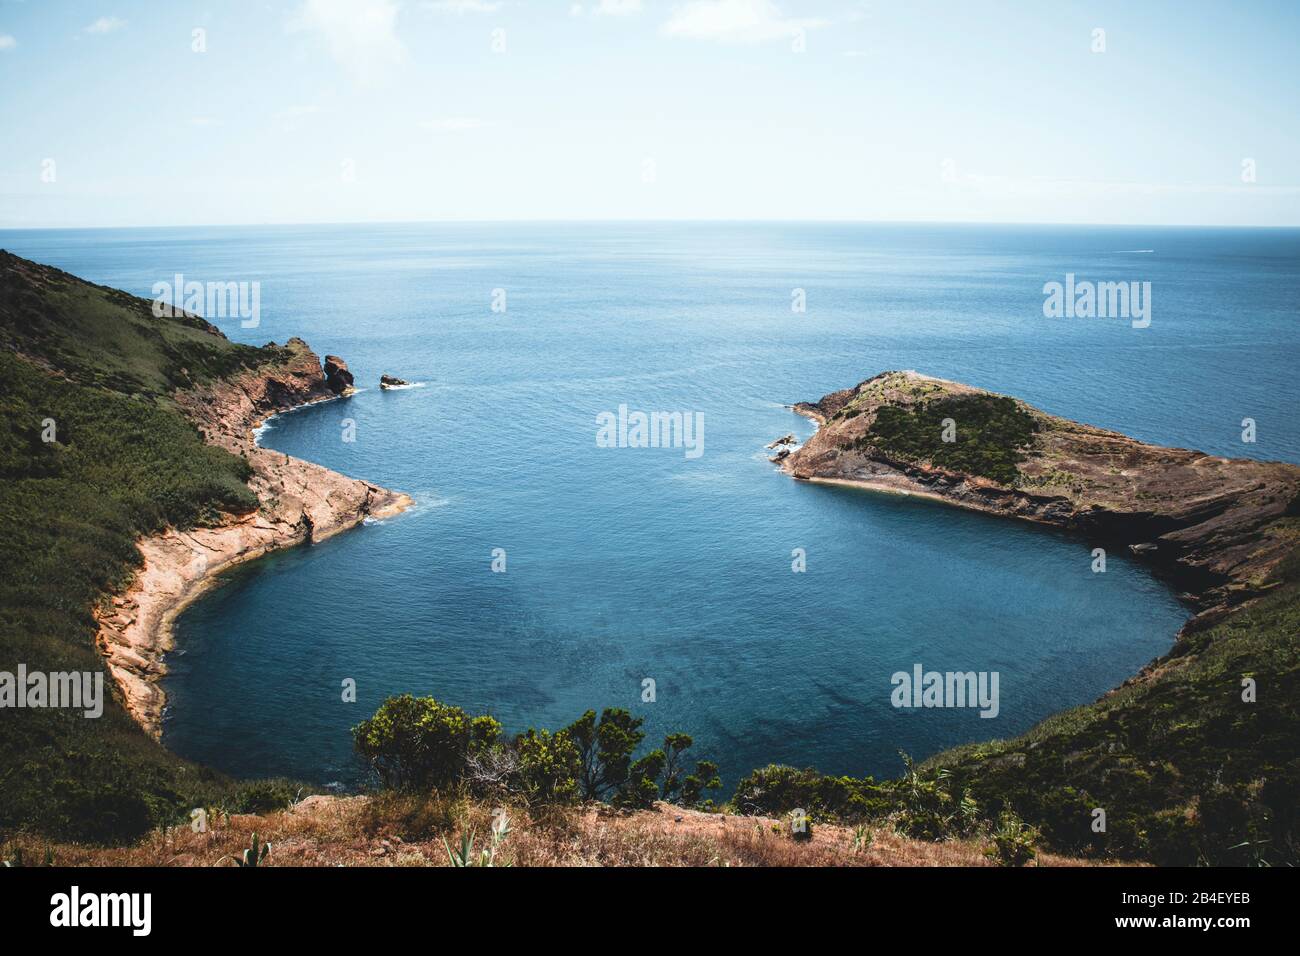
(391, 381)
(787, 439)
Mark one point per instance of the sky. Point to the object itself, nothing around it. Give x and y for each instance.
(128, 112)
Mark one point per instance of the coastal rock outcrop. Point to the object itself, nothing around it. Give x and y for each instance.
(786, 439)
(391, 381)
(337, 377)
(1214, 526)
(299, 502)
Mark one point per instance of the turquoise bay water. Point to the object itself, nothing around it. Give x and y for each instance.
(626, 564)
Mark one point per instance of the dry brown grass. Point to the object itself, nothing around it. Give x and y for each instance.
(393, 830)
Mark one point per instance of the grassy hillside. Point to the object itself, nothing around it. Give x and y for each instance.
(104, 337)
(93, 368)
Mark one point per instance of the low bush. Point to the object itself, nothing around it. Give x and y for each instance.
(418, 743)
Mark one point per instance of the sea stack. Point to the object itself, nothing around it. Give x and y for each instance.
(337, 376)
(391, 381)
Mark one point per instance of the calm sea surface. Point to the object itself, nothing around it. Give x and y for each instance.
(627, 564)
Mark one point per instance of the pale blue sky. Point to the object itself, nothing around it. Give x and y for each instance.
(380, 110)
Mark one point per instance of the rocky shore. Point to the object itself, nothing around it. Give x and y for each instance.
(299, 503)
(1216, 528)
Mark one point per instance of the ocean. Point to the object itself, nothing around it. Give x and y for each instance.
(626, 565)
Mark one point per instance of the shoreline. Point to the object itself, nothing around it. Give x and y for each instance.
(897, 484)
(1203, 525)
(299, 503)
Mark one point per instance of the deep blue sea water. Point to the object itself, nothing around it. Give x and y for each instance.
(626, 564)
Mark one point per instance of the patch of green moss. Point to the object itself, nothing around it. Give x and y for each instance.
(1053, 478)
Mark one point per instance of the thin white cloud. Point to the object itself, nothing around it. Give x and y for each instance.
(360, 34)
(453, 124)
(7, 42)
(617, 8)
(106, 25)
(734, 21)
(462, 6)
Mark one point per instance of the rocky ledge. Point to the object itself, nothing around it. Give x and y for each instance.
(1215, 527)
(299, 502)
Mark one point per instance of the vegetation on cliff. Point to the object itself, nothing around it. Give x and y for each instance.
(988, 434)
(93, 454)
(97, 336)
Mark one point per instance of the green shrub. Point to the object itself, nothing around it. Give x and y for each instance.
(548, 766)
(263, 796)
(931, 806)
(1013, 842)
(776, 789)
(420, 744)
(417, 742)
(660, 775)
(605, 749)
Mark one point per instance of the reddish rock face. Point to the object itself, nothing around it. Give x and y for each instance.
(337, 376)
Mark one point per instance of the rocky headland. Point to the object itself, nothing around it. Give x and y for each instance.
(300, 502)
(1214, 527)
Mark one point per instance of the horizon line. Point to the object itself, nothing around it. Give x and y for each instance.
(663, 221)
